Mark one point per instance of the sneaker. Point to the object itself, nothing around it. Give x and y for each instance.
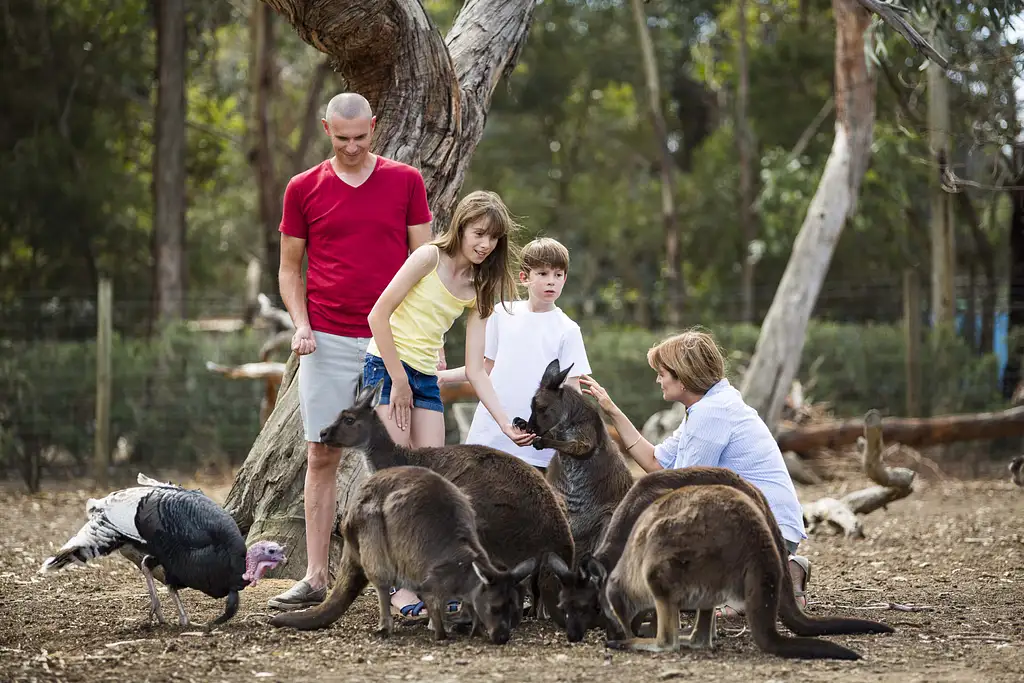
(299, 596)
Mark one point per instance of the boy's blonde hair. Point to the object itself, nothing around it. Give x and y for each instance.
(544, 251)
(692, 357)
(494, 278)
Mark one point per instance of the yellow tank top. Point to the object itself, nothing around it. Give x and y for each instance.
(421, 321)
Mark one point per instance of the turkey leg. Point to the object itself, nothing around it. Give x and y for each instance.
(182, 617)
(154, 603)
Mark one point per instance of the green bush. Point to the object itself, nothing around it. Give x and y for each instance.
(854, 368)
(176, 413)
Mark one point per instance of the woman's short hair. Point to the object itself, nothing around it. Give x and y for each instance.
(692, 357)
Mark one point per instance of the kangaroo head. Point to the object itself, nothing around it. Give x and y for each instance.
(550, 406)
(354, 425)
(579, 596)
(497, 604)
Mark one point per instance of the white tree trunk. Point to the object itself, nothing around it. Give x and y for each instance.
(780, 344)
(943, 299)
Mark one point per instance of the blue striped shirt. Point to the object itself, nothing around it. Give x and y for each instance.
(720, 430)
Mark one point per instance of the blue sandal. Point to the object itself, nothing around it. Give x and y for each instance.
(416, 609)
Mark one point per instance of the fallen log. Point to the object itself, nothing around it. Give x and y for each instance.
(916, 432)
(894, 483)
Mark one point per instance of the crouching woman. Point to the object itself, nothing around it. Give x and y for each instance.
(719, 430)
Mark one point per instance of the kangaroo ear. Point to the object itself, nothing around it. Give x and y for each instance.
(596, 569)
(364, 394)
(558, 566)
(554, 375)
(378, 389)
(480, 573)
(524, 569)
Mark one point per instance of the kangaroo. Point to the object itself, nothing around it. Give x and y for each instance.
(580, 592)
(518, 515)
(411, 527)
(587, 471)
(695, 548)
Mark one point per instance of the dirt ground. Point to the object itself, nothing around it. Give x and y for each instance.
(953, 549)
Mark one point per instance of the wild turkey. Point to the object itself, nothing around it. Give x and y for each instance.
(194, 540)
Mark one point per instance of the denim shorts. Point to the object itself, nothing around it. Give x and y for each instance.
(425, 391)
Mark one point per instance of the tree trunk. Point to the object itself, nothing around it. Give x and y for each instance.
(916, 432)
(168, 245)
(983, 255)
(780, 344)
(1015, 188)
(744, 143)
(673, 281)
(268, 190)
(942, 235)
(431, 98)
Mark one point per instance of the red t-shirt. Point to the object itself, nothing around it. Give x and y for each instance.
(356, 238)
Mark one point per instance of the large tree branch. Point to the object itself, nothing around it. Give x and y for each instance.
(890, 14)
(430, 95)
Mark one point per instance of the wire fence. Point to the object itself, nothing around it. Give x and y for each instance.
(168, 408)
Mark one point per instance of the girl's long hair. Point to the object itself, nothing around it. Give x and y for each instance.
(494, 279)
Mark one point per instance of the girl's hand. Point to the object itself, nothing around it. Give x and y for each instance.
(400, 403)
(519, 437)
(589, 386)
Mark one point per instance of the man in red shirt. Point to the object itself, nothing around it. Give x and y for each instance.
(355, 216)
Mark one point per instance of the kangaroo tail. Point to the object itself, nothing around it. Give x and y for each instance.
(350, 583)
(803, 624)
(761, 603)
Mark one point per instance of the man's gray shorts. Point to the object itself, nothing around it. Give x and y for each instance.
(328, 379)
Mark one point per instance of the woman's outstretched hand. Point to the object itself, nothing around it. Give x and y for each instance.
(590, 386)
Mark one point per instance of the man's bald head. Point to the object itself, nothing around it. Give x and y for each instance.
(349, 105)
(349, 123)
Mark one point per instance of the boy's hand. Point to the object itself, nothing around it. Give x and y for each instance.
(520, 438)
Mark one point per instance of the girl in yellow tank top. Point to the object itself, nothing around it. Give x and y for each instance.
(466, 267)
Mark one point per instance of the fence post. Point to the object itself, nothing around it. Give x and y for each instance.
(104, 331)
(912, 340)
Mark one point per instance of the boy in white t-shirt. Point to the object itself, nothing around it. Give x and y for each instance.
(521, 342)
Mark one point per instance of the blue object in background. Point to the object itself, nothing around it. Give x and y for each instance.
(999, 336)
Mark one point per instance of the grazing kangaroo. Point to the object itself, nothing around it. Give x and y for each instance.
(581, 590)
(518, 515)
(696, 548)
(411, 527)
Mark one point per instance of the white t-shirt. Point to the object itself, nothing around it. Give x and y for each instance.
(521, 344)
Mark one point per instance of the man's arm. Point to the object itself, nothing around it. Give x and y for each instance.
(418, 236)
(293, 292)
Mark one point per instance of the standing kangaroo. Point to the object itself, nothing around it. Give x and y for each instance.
(580, 593)
(587, 471)
(413, 528)
(696, 548)
(518, 515)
